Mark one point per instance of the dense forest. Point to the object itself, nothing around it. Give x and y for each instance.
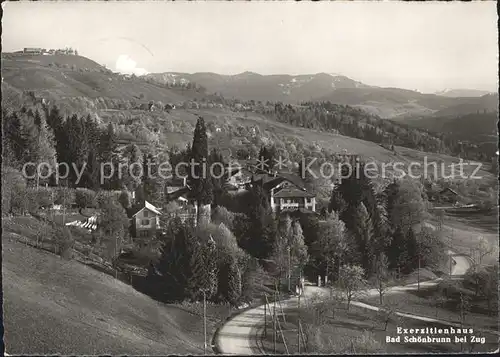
(354, 122)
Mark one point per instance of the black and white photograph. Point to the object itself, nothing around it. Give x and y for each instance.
(249, 178)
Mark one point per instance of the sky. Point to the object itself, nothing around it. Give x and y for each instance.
(420, 46)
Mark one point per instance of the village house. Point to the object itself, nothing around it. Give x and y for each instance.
(177, 190)
(145, 220)
(286, 192)
(448, 195)
(287, 197)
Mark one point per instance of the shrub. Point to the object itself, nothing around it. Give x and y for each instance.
(222, 215)
(64, 242)
(13, 184)
(64, 196)
(85, 198)
(384, 314)
(229, 281)
(322, 340)
(44, 197)
(125, 199)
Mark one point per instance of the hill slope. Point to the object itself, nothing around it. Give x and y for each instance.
(474, 127)
(70, 78)
(78, 80)
(384, 102)
(53, 306)
(485, 103)
(254, 86)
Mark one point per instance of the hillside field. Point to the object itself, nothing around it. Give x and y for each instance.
(183, 122)
(59, 307)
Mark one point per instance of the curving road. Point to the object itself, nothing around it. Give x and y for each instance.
(239, 335)
(461, 262)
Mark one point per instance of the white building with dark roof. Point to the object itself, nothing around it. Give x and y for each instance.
(145, 219)
(287, 196)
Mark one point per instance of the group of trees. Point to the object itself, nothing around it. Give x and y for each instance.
(85, 153)
(357, 123)
(380, 231)
(372, 230)
(203, 260)
(238, 243)
(43, 136)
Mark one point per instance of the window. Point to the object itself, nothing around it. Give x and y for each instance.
(145, 222)
(288, 201)
(146, 214)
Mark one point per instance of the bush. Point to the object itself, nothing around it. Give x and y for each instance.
(64, 196)
(104, 197)
(85, 198)
(229, 281)
(223, 237)
(323, 340)
(385, 314)
(44, 197)
(125, 199)
(252, 280)
(64, 242)
(222, 215)
(13, 184)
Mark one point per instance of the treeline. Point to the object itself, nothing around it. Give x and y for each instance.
(375, 230)
(41, 136)
(471, 135)
(359, 124)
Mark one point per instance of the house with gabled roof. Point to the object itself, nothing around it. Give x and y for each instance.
(145, 219)
(287, 192)
(289, 196)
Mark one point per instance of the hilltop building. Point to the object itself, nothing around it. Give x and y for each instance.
(33, 50)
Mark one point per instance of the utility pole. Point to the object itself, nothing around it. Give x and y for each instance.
(205, 321)
(289, 268)
(418, 272)
(265, 317)
(451, 262)
(326, 275)
(274, 323)
(298, 329)
(64, 206)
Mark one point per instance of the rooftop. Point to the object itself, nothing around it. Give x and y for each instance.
(146, 205)
(449, 190)
(289, 192)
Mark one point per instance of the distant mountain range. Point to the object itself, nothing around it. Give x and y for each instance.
(394, 103)
(454, 93)
(83, 83)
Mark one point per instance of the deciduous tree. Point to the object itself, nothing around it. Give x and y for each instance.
(352, 281)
